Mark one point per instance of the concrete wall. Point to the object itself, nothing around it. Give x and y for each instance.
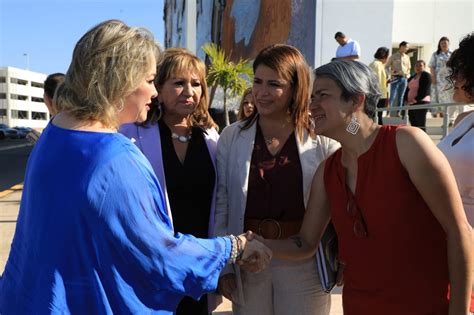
(367, 21)
(423, 22)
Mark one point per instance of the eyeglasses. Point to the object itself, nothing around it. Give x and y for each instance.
(360, 227)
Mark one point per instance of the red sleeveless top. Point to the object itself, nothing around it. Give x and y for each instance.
(401, 266)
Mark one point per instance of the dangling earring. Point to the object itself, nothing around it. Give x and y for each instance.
(353, 126)
(160, 111)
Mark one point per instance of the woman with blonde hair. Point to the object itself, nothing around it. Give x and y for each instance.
(104, 242)
(179, 138)
(265, 165)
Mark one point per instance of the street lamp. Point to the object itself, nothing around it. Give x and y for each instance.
(27, 60)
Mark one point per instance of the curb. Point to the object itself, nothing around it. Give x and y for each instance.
(12, 189)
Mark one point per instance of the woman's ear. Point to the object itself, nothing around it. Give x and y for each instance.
(358, 102)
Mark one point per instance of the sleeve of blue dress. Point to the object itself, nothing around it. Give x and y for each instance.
(137, 238)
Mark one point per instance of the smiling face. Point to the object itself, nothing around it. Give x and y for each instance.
(271, 91)
(180, 94)
(329, 111)
(137, 104)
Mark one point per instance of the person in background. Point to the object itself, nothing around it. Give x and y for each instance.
(247, 105)
(50, 85)
(103, 243)
(399, 66)
(179, 138)
(458, 145)
(265, 166)
(381, 57)
(348, 48)
(440, 91)
(399, 254)
(417, 93)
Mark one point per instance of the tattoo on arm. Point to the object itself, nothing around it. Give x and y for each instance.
(297, 240)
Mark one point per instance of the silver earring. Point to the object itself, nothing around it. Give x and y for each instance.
(353, 126)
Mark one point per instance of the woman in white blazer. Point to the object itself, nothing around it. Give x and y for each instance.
(180, 141)
(265, 167)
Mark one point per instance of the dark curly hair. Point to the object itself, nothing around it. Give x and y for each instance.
(461, 63)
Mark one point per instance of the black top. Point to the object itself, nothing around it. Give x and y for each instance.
(275, 188)
(424, 86)
(189, 184)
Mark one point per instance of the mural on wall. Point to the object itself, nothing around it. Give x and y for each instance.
(243, 27)
(251, 25)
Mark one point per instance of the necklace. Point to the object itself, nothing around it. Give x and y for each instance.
(269, 140)
(182, 139)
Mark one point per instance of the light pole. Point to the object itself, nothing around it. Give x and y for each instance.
(27, 60)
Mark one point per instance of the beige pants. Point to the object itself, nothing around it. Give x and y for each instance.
(285, 288)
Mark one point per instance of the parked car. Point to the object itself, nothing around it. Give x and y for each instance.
(8, 133)
(23, 131)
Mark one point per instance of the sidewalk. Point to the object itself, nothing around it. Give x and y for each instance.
(9, 206)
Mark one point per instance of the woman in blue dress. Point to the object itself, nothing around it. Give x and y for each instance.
(104, 243)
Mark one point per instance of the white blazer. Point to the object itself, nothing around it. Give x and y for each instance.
(234, 152)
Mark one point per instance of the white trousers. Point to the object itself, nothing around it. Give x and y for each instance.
(284, 288)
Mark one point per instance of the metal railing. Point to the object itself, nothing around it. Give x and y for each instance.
(407, 108)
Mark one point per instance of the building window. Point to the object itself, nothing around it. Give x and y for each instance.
(3, 79)
(3, 112)
(37, 99)
(3, 96)
(19, 114)
(18, 97)
(37, 84)
(18, 81)
(39, 116)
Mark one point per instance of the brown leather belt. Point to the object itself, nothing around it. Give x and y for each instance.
(273, 229)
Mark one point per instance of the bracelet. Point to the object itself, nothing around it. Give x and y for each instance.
(233, 250)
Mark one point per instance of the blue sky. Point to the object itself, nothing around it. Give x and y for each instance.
(47, 30)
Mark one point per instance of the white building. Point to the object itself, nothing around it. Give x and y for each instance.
(244, 27)
(21, 98)
(376, 23)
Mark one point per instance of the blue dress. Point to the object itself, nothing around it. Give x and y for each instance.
(93, 235)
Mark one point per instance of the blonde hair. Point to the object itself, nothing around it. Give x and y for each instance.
(291, 65)
(109, 62)
(175, 62)
(241, 113)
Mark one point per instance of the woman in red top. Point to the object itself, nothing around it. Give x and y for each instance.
(399, 253)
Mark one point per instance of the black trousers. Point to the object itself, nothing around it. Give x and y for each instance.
(417, 117)
(381, 104)
(189, 306)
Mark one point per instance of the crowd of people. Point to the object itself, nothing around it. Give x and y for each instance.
(154, 211)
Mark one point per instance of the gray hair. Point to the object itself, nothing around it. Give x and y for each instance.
(353, 78)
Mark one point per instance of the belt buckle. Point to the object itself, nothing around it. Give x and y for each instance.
(269, 220)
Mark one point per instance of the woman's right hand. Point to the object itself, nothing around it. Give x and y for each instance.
(227, 285)
(256, 255)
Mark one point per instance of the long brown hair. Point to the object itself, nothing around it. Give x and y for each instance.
(290, 64)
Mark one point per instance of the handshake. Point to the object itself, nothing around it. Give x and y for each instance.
(255, 257)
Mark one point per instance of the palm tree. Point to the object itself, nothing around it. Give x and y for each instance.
(228, 75)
